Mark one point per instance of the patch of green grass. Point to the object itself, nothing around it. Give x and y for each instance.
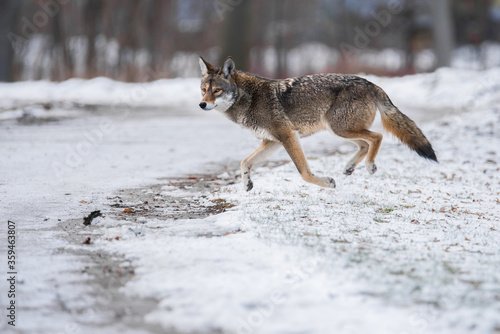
(385, 210)
(450, 269)
(398, 272)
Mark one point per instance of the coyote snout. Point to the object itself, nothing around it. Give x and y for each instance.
(207, 106)
(281, 111)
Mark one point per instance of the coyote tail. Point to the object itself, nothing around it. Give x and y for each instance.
(403, 127)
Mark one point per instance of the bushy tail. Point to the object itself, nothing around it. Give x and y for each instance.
(404, 128)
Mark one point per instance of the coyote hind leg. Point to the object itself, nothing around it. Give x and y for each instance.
(373, 139)
(363, 147)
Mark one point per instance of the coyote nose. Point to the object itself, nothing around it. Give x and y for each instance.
(203, 105)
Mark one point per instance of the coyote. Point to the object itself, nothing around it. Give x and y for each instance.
(279, 112)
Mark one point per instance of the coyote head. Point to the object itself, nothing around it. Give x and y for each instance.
(218, 88)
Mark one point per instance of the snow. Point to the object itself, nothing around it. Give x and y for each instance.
(413, 248)
(37, 196)
(101, 92)
(417, 242)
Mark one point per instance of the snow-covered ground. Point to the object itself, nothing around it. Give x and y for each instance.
(414, 248)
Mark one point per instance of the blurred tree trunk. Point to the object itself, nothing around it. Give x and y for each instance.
(160, 24)
(8, 12)
(92, 16)
(444, 37)
(60, 39)
(236, 34)
(282, 27)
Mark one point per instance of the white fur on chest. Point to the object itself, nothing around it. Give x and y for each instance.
(257, 132)
(260, 133)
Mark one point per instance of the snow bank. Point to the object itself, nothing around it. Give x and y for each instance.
(101, 91)
(442, 91)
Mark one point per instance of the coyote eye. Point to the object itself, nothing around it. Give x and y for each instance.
(203, 90)
(217, 91)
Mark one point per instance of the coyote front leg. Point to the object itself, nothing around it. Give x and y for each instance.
(264, 151)
(291, 143)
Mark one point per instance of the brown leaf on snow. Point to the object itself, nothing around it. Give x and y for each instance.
(127, 210)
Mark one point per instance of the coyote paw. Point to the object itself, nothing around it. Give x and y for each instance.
(371, 167)
(349, 170)
(249, 185)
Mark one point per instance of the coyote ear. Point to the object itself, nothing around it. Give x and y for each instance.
(228, 68)
(205, 67)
